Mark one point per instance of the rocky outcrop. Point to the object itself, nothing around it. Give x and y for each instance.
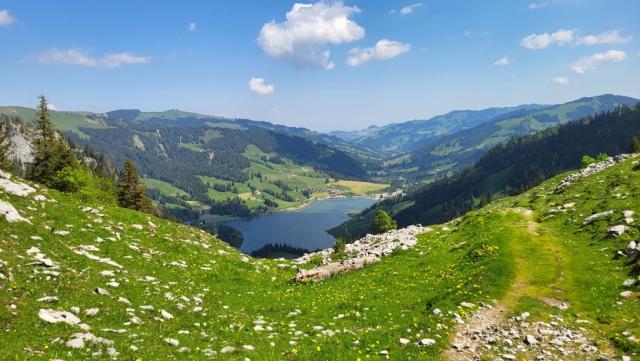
(10, 213)
(590, 170)
(367, 250)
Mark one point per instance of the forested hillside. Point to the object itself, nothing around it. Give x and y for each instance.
(464, 148)
(195, 164)
(399, 138)
(522, 163)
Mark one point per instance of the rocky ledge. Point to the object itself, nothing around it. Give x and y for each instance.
(367, 250)
(591, 169)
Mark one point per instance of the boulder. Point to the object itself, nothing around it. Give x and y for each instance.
(619, 230)
(53, 316)
(10, 213)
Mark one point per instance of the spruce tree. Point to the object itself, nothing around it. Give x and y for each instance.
(131, 191)
(635, 145)
(5, 163)
(52, 152)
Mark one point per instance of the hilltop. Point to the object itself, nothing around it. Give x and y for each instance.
(556, 264)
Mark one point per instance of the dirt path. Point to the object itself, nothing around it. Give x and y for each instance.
(467, 342)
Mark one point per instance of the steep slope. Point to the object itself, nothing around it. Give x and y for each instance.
(463, 148)
(81, 281)
(398, 138)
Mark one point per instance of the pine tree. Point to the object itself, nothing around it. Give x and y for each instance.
(382, 222)
(52, 152)
(5, 163)
(131, 191)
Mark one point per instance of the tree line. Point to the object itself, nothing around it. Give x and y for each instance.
(57, 163)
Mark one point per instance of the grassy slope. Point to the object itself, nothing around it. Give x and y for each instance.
(64, 121)
(378, 304)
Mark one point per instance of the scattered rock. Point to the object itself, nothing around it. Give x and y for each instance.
(427, 342)
(618, 230)
(590, 170)
(53, 316)
(10, 213)
(172, 341)
(596, 216)
(16, 189)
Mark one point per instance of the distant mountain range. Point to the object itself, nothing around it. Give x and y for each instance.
(189, 156)
(400, 138)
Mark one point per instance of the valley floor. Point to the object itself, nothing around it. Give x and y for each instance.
(475, 288)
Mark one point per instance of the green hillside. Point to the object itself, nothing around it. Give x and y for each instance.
(196, 164)
(64, 121)
(144, 288)
(399, 138)
(463, 148)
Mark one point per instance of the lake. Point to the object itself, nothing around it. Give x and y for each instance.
(306, 227)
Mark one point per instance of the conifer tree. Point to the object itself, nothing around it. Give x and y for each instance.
(131, 191)
(5, 163)
(52, 152)
(635, 145)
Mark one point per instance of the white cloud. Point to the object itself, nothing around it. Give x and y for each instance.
(564, 37)
(607, 37)
(540, 5)
(410, 8)
(258, 86)
(6, 19)
(383, 50)
(75, 56)
(541, 41)
(502, 61)
(192, 26)
(560, 80)
(309, 28)
(591, 62)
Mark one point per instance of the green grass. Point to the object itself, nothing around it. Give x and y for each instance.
(496, 253)
(164, 187)
(359, 187)
(64, 121)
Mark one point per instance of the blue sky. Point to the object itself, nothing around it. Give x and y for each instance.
(387, 61)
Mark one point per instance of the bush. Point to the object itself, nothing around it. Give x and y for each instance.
(338, 245)
(382, 222)
(90, 188)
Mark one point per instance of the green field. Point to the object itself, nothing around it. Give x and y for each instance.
(164, 187)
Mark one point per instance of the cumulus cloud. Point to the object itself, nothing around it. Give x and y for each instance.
(502, 61)
(607, 37)
(6, 19)
(560, 80)
(192, 26)
(591, 62)
(410, 8)
(541, 41)
(75, 56)
(258, 86)
(307, 31)
(383, 50)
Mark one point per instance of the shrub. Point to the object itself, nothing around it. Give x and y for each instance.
(382, 222)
